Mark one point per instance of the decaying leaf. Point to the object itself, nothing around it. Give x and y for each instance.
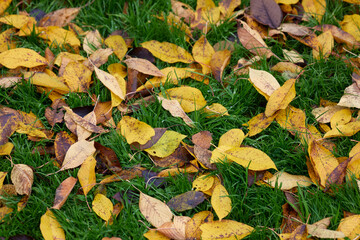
(186, 201)
(259, 123)
(175, 109)
(218, 63)
(350, 226)
(264, 82)
(143, 66)
(166, 145)
(266, 12)
(117, 44)
(22, 176)
(63, 191)
(60, 18)
(315, 8)
(77, 153)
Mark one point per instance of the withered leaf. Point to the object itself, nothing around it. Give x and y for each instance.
(55, 114)
(218, 63)
(186, 201)
(337, 176)
(158, 134)
(140, 52)
(8, 125)
(63, 141)
(266, 12)
(77, 154)
(144, 66)
(180, 156)
(63, 191)
(203, 155)
(22, 177)
(203, 139)
(107, 157)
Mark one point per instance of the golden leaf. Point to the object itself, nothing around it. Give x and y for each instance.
(220, 201)
(259, 123)
(350, 24)
(50, 227)
(143, 66)
(117, 44)
(102, 206)
(175, 110)
(135, 131)
(264, 82)
(166, 145)
(315, 8)
(21, 57)
(350, 226)
(202, 52)
(86, 174)
(225, 229)
(192, 230)
(286, 181)
(2, 178)
(326, 44)
(110, 82)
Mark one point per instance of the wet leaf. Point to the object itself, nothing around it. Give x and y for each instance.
(102, 206)
(63, 191)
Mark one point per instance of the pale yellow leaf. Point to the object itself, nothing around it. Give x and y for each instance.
(264, 82)
(22, 176)
(143, 66)
(232, 138)
(92, 41)
(2, 178)
(326, 44)
(117, 44)
(350, 226)
(175, 110)
(286, 181)
(77, 153)
(110, 82)
(315, 8)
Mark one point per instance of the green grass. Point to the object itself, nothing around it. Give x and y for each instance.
(257, 206)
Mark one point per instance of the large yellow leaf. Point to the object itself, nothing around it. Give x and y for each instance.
(350, 24)
(281, 97)
(117, 44)
(264, 82)
(288, 181)
(21, 57)
(155, 211)
(45, 80)
(135, 131)
(77, 76)
(220, 201)
(192, 230)
(18, 21)
(292, 119)
(102, 206)
(225, 229)
(341, 117)
(4, 5)
(350, 226)
(315, 8)
(50, 227)
(202, 52)
(322, 160)
(153, 234)
(326, 41)
(345, 130)
(86, 174)
(259, 123)
(203, 183)
(252, 158)
(72, 56)
(56, 36)
(77, 153)
(190, 98)
(168, 52)
(166, 145)
(216, 110)
(6, 148)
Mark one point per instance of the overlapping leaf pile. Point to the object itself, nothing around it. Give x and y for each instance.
(136, 75)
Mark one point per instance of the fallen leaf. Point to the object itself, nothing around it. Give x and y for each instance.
(295, 29)
(341, 117)
(264, 82)
(63, 191)
(339, 35)
(2, 178)
(50, 227)
(4, 5)
(266, 12)
(183, 10)
(202, 52)
(286, 181)
(166, 145)
(225, 229)
(202, 139)
(174, 107)
(315, 8)
(220, 201)
(135, 131)
(218, 63)
(259, 123)
(77, 153)
(92, 41)
(62, 143)
(326, 44)
(324, 114)
(77, 76)
(186, 201)
(349, 25)
(227, 7)
(351, 97)
(8, 125)
(110, 82)
(102, 206)
(143, 66)
(346, 130)
(117, 44)
(21, 57)
(98, 58)
(60, 18)
(154, 234)
(6, 41)
(57, 36)
(22, 176)
(86, 174)
(192, 228)
(350, 226)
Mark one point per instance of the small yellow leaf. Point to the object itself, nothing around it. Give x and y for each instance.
(50, 227)
(156, 212)
(225, 229)
(168, 52)
(232, 138)
(288, 181)
(77, 76)
(2, 178)
(203, 183)
(86, 174)
(326, 44)
(350, 226)
(220, 201)
(6, 148)
(45, 80)
(250, 158)
(341, 117)
(22, 176)
(102, 206)
(166, 145)
(264, 82)
(21, 57)
(192, 230)
(202, 52)
(6, 41)
(218, 63)
(281, 98)
(216, 110)
(135, 131)
(72, 56)
(117, 44)
(259, 123)
(292, 119)
(4, 211)
(175, 110)
(77, 153)
(117, 68)
(315, 8)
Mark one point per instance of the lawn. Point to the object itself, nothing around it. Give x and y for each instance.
(285, 146)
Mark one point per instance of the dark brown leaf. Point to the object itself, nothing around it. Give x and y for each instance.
(291, 219)
(132, 82)
(103, 111)
(203, 155)
(106, 159)
(55, 114)
(154, 139)
(186, 201)
(266, 12)
(141, 52)
(202, 139)
(299, 233)
(337, 176)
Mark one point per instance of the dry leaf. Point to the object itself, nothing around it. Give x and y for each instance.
(21, 57)
(286, 181)
(92, 41)
(186, 201)
(166, 145)
(143, 66)
(77, 154)
(259, 123)
(22, 177)
(314, 8)
(135, 131)
(63, 191)
(153, 234)
(60, 18)
(350, 25)
(218, 63)
(175, 110)
(326, 44)
(110, 82)
(117, 44)
(192, 230)
(266, 12)
(351, 97)
(264, 82)
(2, 178)
(350, 226)
(86, 174)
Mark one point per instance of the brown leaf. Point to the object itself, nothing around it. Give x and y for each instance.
(266, 12)
(8, 125)
(183, 11)
(339, 35)
(98, 58)
(186, 201)
(309, 40)
(202, 139)
(55, 114)
(92, 41)
(106, 156)
(291, 219)
(63, 141)
(140, 52)
(218, 63)
(295, 29)
(60, 18)
(175, 109)
(132, 82)
(143, 66)
(203, 156)
(299, 233)
(103, 111)
(22, 177)
(63, 191)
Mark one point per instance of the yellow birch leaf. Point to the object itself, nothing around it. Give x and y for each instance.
(175, 110)
(192, 230)
(77, 76)
(17, 21)
(288, 181)
(117, 44)
(5, 40)
(4, 211)
(102, 206)
(166, 145)
(72, 56)
(281, 97)
(2, 178)
(202, 52)
(232, 138)
(21, 57)
(117, 68)
(350, 226)
(350, 24)
(86, 174)
(341, 117)
(264, 82)
(345, 130)
(326, 44)
(155, 211)
(259, 123)
(168, 52)
(220, 201)
(6, 148)
(45, 80)
(154, 234)
(143, 66)
(225, 229)
(251, 158)
(92, 41)
(77, 153)
(57, 36)
(4, 5)
(134, 130)
(110, 82)
(322, 160)
(315, 8)
(50, 227)
(216, 110)
(190, 99)
(82, 132)
(203, 183)
(22, 176)
(292, 119)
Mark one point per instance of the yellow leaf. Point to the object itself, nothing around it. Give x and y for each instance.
(190, 99)
(205, 17)
(351, 97)
(45, 80)
(345, 130)
(102, 206)
(207, 4)
(4, 211)
(341, 117)
(264, 82)
(324, 114)
(352, 1)
(168, 52)
(216, 110)
(21, 57)
(86, 174)
(354, 165)
(232, 138)
(57, 36)
(326, 44)
(176, 21)
(227, 7)
(135, 131)
(2, 178)
(6, 148)
(18, 21)
(175, 110)
(77, 153)
(153, 234)
(77, 76)
(4, 5)
(322, 160)
(110, 82)
(30, 130)
(117, 68)
(203, 183)
(143, 66)
(117, 44)
(281, 97)
(288, 181)
(225, 229)
(259, 123)
(251, 158)
(192, 230)
(155, 211)
(289, 2)
(50, 227)
(92, 41)
(116, 100)
(202, 52)
(350, 226)
(315, 8)
(220, 201)
(218, 63)
(6, 42)
(287, 67)
(22, 177)
(166, 145)
(292, 119)
(350, 24)
(72, 56)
